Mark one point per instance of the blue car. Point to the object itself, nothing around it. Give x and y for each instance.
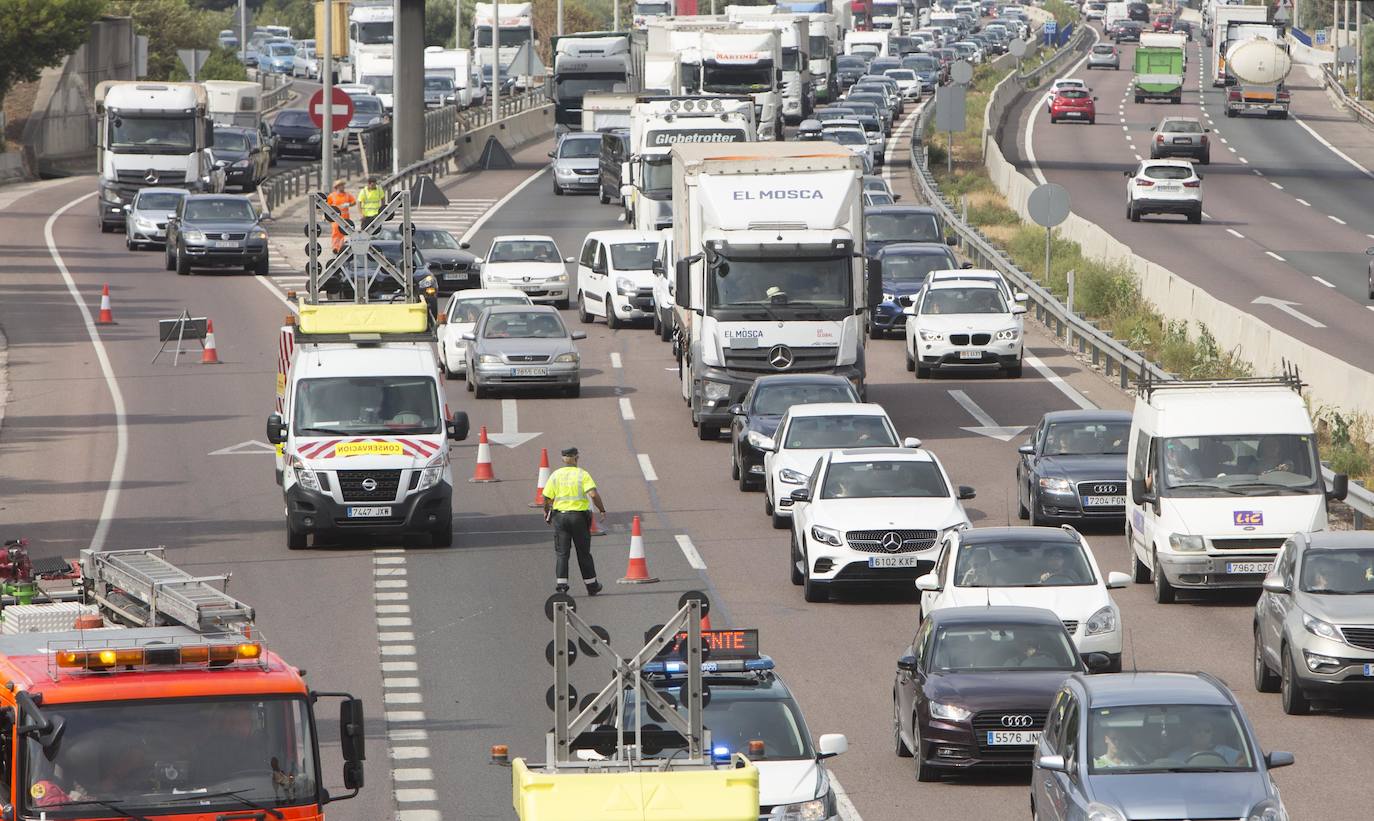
(903, 267)
(278, 58)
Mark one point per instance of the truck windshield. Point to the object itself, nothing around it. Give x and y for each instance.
(381, 83)
(509, 36)
(658, 176)
(718, 79)
(570, 89)
(152, 135)
(780, 288)
(651, 9)
(360, 405)
(373, 34)
(791, 59)
(160, 756)
(1243, 465)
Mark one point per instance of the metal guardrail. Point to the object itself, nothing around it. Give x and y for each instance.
(1359, 109)
(276, 91)
(1036, 76)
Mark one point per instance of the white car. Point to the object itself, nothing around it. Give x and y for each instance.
(963, 323)
(307, 62)
(1009, 293)
(615, 276)
(460, 313)
(805, 433)
(528, 263)
(1049, 567)
(871, 515)
(907, 81)
(1164, 187)
(1062, 83)
(1094, 11)
(851, 135)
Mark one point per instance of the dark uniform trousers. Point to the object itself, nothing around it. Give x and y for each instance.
(573, 529)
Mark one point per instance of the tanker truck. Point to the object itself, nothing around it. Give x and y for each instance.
(1259, 62)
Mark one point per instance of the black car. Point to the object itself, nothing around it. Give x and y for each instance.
(243, 159)
(1139, 12)
(216, 231)
(382, 285)
(974, 687)
(888, 224)
(1074, 467)
(296, 133)
(848, 69)
(1128, 31)
(454, 269)
(762, 409)
(903, 267)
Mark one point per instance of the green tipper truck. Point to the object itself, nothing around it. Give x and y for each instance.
(1159, 62)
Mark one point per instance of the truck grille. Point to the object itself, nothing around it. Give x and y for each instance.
(871, 541)
(139, 178)
(351, 484)
(963, 339)
(1271, 543)
(757, 360)
(1359, 636)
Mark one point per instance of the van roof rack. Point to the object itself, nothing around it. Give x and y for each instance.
(1287, 377)
(146, 590)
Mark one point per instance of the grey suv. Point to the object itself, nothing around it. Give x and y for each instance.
(1314, 621)
(1151, 745)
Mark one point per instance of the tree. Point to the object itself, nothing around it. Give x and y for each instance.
(170, 25)
(38, 34)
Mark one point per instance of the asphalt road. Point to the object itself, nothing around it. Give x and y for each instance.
(1286, 218)
(447, 645)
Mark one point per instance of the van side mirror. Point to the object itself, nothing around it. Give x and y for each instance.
(276, 429)
(874, 283)
(683, 286)
(1278, 758)
(966, 493)
(1138, 493)
(928, 583)
(458, 427)
(1340, 487)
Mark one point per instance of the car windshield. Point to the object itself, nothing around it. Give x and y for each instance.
(219, 211)
(131, 134)
(874, 198)
(281, 50)
(524, 250)
(883, 480)
(976, 647)
(579, 148)
(846, 136)
(963, 301)
(922, 63)
(367, 105)
(1167, 172)
(1167, 738)
(1181, 127)
(633, 256)
(859, 431)
(163, 756)
(1087, 438)
(230, 141)
(849, 61)
(913, 268)
(524, 325)
(294, 119)
(774, 400)
(382, 83)
(1014, 562)
(1339, 572)
(431, 239)
(358, 405)
(901, 74)
(910, 226)
(436, 82)
(466, 311)
(158, 202)
(1248, 464)
(736, 718)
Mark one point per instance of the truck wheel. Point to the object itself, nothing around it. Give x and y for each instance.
(1139, 99)
(295, 539)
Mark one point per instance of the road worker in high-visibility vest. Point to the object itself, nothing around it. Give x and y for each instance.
(569, 494)
(370, 200)
(340, 200)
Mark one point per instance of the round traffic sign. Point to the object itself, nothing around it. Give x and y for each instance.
(342, 110)
(961, 72)
(1048, 204)
(1018, 48)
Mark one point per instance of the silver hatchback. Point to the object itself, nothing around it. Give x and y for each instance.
(1104, 55)
(145, 218)
(523, 346)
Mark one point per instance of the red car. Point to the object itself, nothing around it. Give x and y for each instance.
(1073, 104)
(1164, 22)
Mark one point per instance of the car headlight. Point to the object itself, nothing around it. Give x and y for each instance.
(949, 712)
(489, 359)
(257, 233)
(1318, 663)
(817, 809)
(1102, 812)
(793, 477)
(566, 357)
(145, 224)
(1054, 484)
(193, 236)
(1270, 809)
(1184, 543)
(1008, 334)
(889, 297)
(715, 390)
(826, 535)
(313, 138)
(1103, 621)
(1321, 629)
(625, 286)
(304, 475)
(559, 171)
(559, 278)
(932, 336)
(243, 163)
(433, 472)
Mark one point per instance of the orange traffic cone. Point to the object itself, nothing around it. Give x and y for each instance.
(543, 478)
(705, 621)
(597, 528)
(106, 315)
(638, 570)
(483, 471)
(209, 356)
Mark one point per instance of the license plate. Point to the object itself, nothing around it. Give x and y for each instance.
(530, 287)
(893, 561)
(1104, 501)
(224, 244)
(1369, 670)
(369, 512)
(1183, 140)
(1249, 567)
(529, 371)
(1170, 187)
(588, 179)
(1013, 738)
(451, 275)
(970, 354)
(1072, 114)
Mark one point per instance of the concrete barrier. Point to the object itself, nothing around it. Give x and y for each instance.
(511, 132)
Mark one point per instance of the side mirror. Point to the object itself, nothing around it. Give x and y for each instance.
(465, 245)
(761, 442)
(735, 410)
(470, 336)
(874, 283)
(1097, 662)
(596, 269)
(276, 429)
(1340, 486)
(1274, 584)
(965, 265)
(579, 335)
(1053, 763)
(966, 493)
(907, 664)
(832, 744)
(896, 197)
(928, 583)
(128, 207)
(1026, 450)
(1278, 758)
(1138, 494)
(550, 155)
(657, 268)
(1128, 173)
(801, 494)
(951, 240)
(1018, 309)
(911, 442)
(1020, 296)
(352, 743)
(458, 427)
(909, 310)
(569, 260)
(1117, 580)
(683, 287)
(1152, 128)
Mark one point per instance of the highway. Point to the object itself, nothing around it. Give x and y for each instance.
(1286, 217)
(447, 645)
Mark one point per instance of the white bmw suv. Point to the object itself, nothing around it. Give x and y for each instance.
(958, 323)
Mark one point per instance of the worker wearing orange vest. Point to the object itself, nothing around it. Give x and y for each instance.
(340, 200)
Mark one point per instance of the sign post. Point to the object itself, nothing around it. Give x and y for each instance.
(1048, 205)
(326, 93)
(193, 59)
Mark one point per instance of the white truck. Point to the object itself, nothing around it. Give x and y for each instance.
(645, 10)
(823, 30)
(1259, 64)
(868, 43)
(887, 16)
(378, 71)
(662, 74)
(746, 62)
(768, 270)
(607, 110)
(514, 29)
(1115, 13)
(659, 123)
(798, 93)
(151, 134)
(371, 33)
(1220, 474)
(458, 64)
(1222, 18)
(590, 62)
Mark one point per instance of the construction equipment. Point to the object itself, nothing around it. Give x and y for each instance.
(146, 590)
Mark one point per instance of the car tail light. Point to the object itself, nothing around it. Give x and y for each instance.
(1144, 183)
(1282, 95)
(1193, 184)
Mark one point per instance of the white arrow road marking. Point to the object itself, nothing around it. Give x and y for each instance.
(510, 435)
(250, 448)
(986, 426)
(1288, 308)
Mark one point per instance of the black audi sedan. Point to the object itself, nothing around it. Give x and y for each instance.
(889, 224)
(216, 231)
(1074, 468)
(974, 687)
(762, 409)
(454, 268)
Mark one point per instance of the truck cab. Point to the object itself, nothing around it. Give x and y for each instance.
(746, 62)
(590, 62)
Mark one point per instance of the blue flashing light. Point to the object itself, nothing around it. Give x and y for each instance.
(678, 668)
(720, 753)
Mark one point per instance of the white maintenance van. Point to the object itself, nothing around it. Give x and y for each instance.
(1220, 474)
(769, 277)
(151, 134)
(746, 62)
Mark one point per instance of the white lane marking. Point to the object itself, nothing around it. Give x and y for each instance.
(408, 734)
(847, 810)
(409, 753)
(389, 583)
(400, 716)
(482, 220)
(1231, 148)
(389, 560)
(1123, 128)
(396, 635)
(690, 551)
(627, 412)
(1276, 185)
(615, 360)
(1206, 215)
(1137, 158)
(1370, 307)
(1275, 256)
(1336, 220)
(399, 667)
(647, 468)
(1303, 201)
(266, 282)
(1257, 172)
(418, 815)
(398, 683)
(412, 774)
(398, 649)
(510, 416)
(1334, 150)
(1223, 140)
(389, 572)
(394, 621)
(1056, 380)
(1323, 282)
(415, 796)
(1243, 161)
(391, 550)
(1233, 232)
(393, 608)
(391, 596)
(121, 420)
(403, 698)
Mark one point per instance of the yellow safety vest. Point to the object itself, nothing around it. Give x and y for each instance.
(370, 201)
(567, 489)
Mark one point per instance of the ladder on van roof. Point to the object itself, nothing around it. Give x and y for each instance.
(1288, 377)
(145, 589)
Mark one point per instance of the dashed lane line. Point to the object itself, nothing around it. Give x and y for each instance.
(627, 412)
(401, 696)
(1321, 281)
(1276, 185)
(1233, 232)
(616, 361)
(690, 551)
(1303, 201)
(1336, 220)
(1275, 256)
(646, 467)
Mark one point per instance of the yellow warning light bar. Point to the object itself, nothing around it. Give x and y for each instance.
(106, 659)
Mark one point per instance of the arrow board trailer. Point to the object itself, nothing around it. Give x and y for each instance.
(768, 277)
(591, 62)
(746, 62)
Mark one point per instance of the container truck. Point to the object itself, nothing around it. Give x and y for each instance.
(769, 277)
(887, 16)
(746, 62)
(1159, 67)
(151, 134)
(1222, 18)
(589, 62)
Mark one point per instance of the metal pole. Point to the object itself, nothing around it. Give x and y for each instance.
(615, 17)
(560, 18)
(949, 154)
(457, 23)
(1069, 275)
(1048, 237)
(243, 29)
(496, 59)
(327, 77)
(1359, 52)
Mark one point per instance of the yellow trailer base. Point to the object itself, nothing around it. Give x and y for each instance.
(364, 318)
(729, 794)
